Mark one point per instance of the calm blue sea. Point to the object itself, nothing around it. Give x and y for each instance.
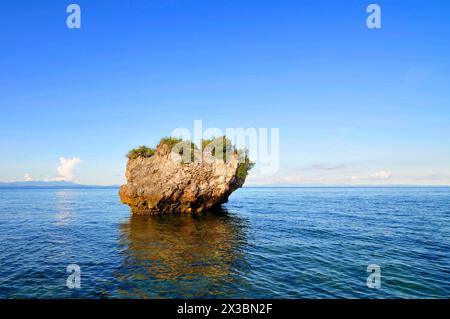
(266, 243)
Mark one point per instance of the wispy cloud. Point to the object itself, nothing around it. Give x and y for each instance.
(268, 180)
(322, 174)
(381, 175)
(327, 167)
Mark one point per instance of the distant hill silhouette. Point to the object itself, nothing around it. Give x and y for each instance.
(42, 184)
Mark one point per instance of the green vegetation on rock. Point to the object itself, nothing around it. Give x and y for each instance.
(227, 145)
(244, 166)
(170, 141)
(142, 151)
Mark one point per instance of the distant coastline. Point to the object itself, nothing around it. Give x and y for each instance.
(71, 185)
(347, 186)
(52, 185)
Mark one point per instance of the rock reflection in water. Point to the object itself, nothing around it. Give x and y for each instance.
(183, 256)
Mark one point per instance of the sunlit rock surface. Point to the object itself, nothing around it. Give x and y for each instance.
(159, 184)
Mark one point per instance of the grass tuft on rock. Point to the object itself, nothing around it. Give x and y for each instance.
(170, 141)
(141, 151)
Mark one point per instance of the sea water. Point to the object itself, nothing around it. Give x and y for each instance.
(264, 243)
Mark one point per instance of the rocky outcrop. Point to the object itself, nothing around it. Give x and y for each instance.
(159, 184)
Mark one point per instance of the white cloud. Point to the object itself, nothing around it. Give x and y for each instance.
(66, 169)
(381, 175)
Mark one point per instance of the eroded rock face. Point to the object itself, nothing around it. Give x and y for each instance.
(159, 184)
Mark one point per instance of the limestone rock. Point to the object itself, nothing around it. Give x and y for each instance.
(159, 184)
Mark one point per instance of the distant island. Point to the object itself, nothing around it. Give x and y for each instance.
(51, 184)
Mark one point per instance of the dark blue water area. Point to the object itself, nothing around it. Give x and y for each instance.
(265, 243)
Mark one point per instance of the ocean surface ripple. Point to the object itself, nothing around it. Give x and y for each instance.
(265, 243)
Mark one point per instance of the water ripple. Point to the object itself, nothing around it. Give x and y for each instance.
(267, 243)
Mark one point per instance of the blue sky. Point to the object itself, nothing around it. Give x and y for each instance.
(353, 105)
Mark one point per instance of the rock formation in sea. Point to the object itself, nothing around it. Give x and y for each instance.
(177, 177)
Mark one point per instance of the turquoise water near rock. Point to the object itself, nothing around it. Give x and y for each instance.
(266, 243)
